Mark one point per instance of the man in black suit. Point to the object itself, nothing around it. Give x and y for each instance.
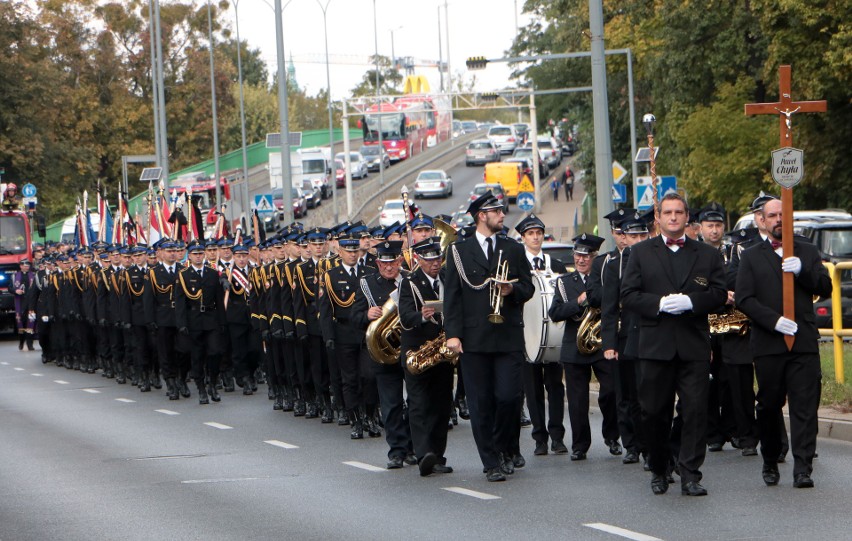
(245, 340)
(571, 304)
(492, 351)
(543, 377)
(673, 283)
(617, 328)
(159, 302)
(200, 320)
(782, 373)
(430, 392)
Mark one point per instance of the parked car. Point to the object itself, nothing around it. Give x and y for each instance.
(527, 165)
(496, 190)
(504, 137)
(461, 218)
(393, 211)
(481, 151)
(357, 164)
(747, 219)
(526, 152)
(551, 151)
(375, 154)
(300, 204)
(340, 173)
(434, 182)
(313, 195)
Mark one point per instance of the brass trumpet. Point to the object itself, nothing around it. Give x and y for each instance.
(496, 298)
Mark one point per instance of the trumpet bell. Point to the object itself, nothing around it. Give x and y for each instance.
(496, 318)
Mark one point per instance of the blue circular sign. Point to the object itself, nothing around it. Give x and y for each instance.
(526, 201)
(29, 190)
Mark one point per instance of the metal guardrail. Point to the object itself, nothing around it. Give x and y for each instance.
(837, 332)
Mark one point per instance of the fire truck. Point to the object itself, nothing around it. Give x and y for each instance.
(15, 244)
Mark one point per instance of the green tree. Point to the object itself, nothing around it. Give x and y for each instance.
(389, 79)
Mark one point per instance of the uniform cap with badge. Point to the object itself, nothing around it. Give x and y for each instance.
(388, 250)
(634, 224)
(530, 222)
(587, 243)
(483, 203)
(428, 248)
(422, 221)
(713, 212)
(617, 216)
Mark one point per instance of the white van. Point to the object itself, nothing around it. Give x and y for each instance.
(311, 164)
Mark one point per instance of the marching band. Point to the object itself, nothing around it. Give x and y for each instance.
(372, 328)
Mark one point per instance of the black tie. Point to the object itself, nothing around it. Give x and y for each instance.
(538, 263)
(437, 287)
(352, 272)
(490, 250)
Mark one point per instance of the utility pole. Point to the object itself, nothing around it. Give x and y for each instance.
(603, 150)
(287, 180)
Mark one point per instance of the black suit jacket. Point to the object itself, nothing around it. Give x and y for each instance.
(160, 295)
(564, 307)
(618, 327)
(466, 310)
(758, 295)
(188, 310)
(342, 306)
(649, 277)
(415, 331)
(305, 297)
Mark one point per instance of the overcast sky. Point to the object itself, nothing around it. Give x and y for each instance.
(476, 28)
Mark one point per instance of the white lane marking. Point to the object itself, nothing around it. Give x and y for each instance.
(125, 400)
(19, 369)
(91, 391)
(231, 480)
(4, 363)
(615, 530)
(220, 426)
(281, 444)
(60, 381)
(471, 493)
(363, 466)
(37, 375)
(167, 412)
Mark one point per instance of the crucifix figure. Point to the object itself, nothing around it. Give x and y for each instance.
(785, 108)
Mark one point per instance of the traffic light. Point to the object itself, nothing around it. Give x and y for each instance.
(488, 96)
(477, 62)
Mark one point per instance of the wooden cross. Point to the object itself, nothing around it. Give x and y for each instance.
(785, 108)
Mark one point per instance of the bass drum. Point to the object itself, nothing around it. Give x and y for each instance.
(542, 337)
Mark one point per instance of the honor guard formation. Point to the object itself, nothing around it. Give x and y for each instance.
(398, 331)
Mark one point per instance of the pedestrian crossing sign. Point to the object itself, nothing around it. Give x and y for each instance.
(263, 203)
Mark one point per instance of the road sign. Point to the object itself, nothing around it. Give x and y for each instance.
(618, 172)
(787, 166)
(29, 190)
(30, 201)
(526, 201)
(619, 193)
(525, 186)
(263, 203)
(644, 193)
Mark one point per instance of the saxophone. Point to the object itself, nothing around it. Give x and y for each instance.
(430, 354)
(589, 332)
(731, 321)
(383, 335)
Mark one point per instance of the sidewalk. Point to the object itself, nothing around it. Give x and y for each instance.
(558, 216)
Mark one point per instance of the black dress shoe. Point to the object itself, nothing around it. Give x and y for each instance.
(803, 480)
(614, 447)
(464, 413)
(441, 468)
(214, 393)
(184, 389)
(202, 396)
(632, 457)
(558, 447)
(454, 417)
(394, 463)
(507, 466)
(495, 475)
(410, 459)
(693, 488)
(578, 455)
(749, 451)
(659, 485)
(427, 463)
(525, 421)
(715, 447)
(519, 461)
(645, 464)
(540, 448)
(771, 476)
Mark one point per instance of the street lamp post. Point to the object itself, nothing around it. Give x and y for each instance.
(215, 121)
(283, 114)
(245, 198)
(378, 105)
(324, 9)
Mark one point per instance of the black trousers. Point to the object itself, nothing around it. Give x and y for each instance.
(796, 377)
(245, 349)
(577, 379)
(627, 403)
(389, 384)
(493, 383)
(356, 373)
(319, 363)
(276, 373)
(538, 379)
(658, 383)
(721, 423)
(44, 330)
(460, 394)
(430, 395)
(205, 355)
(741, 384)
(144, 346)
(170, 361)
(302, 362)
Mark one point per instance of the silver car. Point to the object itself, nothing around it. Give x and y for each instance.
(433, 183)
(357, 163)
(481, 151)
(504, 137)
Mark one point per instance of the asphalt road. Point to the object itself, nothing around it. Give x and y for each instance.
(84, 458)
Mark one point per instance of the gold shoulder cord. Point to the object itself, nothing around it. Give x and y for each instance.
(289, 276)
(103, 276)
(77, 281)
(278, 275)
(333, 296)
(161, 290)
(115, 283)
(306, 292)
(190, 296)
(134, 292)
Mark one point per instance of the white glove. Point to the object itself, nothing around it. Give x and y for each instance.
(786, 326)
(676, 303)
(792, 264)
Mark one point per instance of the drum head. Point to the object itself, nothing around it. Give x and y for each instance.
(534, 312)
